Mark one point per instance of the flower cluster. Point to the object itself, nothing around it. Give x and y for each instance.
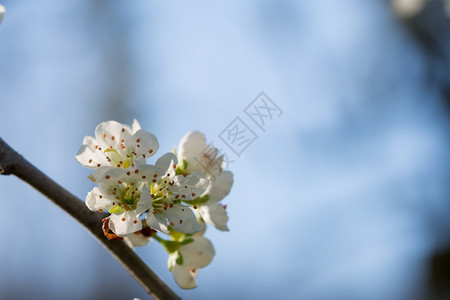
(178, 195)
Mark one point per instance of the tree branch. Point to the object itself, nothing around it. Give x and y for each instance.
(13, 163)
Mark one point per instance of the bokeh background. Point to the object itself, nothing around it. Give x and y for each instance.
(344, 196)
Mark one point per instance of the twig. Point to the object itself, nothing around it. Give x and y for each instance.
(13, 163)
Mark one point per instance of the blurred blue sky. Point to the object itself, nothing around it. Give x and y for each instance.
(343, 197)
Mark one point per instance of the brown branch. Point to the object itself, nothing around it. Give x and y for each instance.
(13, 163)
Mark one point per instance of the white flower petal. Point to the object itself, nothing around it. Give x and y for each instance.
(107, 176)
(146, 173)
(166, 163)
(197, 254)
(144, 203)
(137, 240)
(157, 221)
(220, 187)
(97, 200)
(191, 186)
(135, 126)
(90, 142)
(144, 143)
(190, 148)
(182, 219)
(191, 144)
(184, 277)
(214, 214)
(106, 130)
(125, 223)
(88, 157)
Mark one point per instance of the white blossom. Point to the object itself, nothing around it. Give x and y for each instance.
(168, 194)
(117, 145)
(189, 258)
(124, 194)
(196, 156)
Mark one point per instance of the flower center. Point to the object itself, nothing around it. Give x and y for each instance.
(162, 195)
(127, 196)
(123, 160)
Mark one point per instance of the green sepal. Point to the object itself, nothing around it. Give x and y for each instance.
(182, 170)
(175, 235)
(202, 199)
(186, 241)
(198, 201)
(179, 171)
(170, 246)
(179, 259)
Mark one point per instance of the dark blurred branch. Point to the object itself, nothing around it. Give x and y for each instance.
(13, 163)
(430, 30)
(439, 280)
